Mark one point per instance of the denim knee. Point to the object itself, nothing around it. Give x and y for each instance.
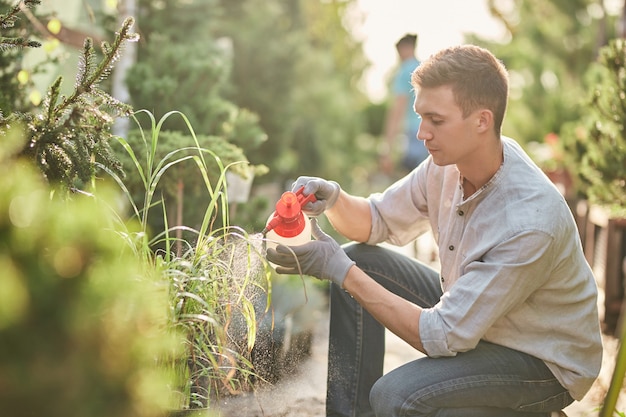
(357, 251)
(384, 399)
(366, 256)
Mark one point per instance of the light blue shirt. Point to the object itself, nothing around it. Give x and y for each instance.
(513, 270)
(402, 87)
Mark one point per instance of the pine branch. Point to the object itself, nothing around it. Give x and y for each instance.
(8, 20)
(74, 133)
(8, 43)
(89, 78)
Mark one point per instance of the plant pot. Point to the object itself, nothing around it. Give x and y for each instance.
(238, 187)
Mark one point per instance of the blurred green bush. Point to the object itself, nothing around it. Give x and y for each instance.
(81, 319)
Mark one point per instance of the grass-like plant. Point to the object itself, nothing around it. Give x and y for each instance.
(219, 280)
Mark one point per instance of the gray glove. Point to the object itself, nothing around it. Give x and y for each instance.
(321, 258)
(326, 193)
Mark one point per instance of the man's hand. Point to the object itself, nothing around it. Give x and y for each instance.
(322, 258)
(326, 193)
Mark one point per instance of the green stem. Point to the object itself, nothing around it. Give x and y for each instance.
(610, 401)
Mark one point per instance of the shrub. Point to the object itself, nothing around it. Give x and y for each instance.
(81, 317)
(597, 145)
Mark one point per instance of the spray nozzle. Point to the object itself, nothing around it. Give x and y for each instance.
(288, 214)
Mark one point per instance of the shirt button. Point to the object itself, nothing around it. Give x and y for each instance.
(442, 280)
(451, 247)
(461, 212)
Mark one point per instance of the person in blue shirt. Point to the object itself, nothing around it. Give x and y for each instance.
(401, 121)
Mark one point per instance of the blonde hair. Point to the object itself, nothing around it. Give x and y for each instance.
(478, 79)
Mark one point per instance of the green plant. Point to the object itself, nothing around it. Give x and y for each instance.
(190, 71)
(311, 73)
(547, 54)
(71, 133)
(216, 280)
(596, 146)
(81, 317)
(181, 188)
(14, 39)
(617, 379)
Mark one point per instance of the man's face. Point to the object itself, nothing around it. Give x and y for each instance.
(449, 137)
(405, 50)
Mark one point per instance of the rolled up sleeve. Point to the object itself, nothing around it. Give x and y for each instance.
(433, 334)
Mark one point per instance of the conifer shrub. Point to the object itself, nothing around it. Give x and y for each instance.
(596, 146)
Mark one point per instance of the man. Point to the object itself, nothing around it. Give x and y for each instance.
(401, 119)
(510, 325)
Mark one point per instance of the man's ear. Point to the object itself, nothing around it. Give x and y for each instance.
(484, 120)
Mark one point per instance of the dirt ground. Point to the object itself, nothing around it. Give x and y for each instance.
(303, 393)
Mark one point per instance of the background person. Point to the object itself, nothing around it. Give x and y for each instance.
(401, 122)
(510, 324)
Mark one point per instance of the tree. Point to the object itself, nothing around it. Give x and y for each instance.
(596, 145)
(556, 54)
(296, 65)
(189, 71)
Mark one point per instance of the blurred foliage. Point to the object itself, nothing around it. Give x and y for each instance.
(275, 78)
(188, 70)
(549, 46)
(297, 66)
(81, 317)
(595, 146)
(14, 39)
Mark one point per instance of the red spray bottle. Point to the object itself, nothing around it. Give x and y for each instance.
(288, 225)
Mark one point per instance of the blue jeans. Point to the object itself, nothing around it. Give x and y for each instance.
(490, 380)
